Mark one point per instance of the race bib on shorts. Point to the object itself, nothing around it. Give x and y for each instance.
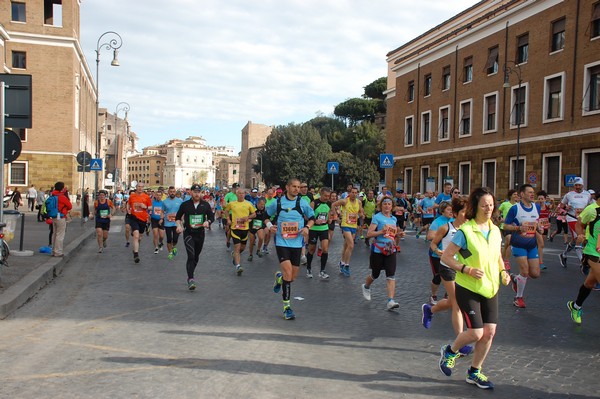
(196, 221)
(289, 229)
(390, 231)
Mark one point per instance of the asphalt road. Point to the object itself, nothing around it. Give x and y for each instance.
(109, 328)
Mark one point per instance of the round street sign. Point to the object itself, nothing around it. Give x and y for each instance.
(84, 156)
(12, 146)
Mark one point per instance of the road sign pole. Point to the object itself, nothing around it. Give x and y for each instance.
(332, 189)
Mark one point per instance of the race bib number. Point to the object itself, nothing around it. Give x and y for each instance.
(157, 211)
(240, 224)
(429, 211)
(196, 221)
(104, 213)
(351, 218)
(257, 224)
(529, 229)
(390, 231)
(289, 229)
(321, 218)
(544, 223)
(171, 217)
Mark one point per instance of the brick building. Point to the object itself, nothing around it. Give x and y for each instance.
(501, 80)
(254, 136)
(41, 38)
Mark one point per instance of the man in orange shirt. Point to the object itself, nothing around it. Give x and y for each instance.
(138, 204)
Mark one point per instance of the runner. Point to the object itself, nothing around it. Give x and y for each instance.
(319, 232)
(522, 221)
(479, 270)
(427, 210)
(445, 210)
(333, 215)
(290, 213)
(445, 195)
(171, 205)
(545, 208)
(103, 211)
(351, 209)
(127, 217)
(574, 202)
(157, 220)
(257, 229)
(229, 197)
(512, 198)
(370, 207)
(241, 212)
(118, 201)
(197, 216)
(588, 219)
(139, 204)
(308, 198)
(383, 251)
(270, 197)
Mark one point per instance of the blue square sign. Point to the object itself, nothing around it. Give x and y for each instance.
(333, 168)
(386, 161)
(96, 164)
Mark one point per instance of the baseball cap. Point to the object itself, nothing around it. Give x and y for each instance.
(279, 190)
(400, 191)
(591, 191)
(254, 190)
(578, 180)
(196, 187)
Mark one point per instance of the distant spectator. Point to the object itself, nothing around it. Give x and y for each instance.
(39, 202)
(31, 195)
(16, 198)
(59, 223)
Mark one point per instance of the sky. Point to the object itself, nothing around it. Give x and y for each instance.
(207, 67)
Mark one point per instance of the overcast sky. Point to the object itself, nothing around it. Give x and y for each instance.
(207, 67)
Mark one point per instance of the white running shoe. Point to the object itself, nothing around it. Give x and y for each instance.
(391, 304)
(366, 292)
(323, 275)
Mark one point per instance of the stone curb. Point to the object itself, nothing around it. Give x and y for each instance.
(26, 288)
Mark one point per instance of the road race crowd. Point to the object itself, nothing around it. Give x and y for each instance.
(472, 241)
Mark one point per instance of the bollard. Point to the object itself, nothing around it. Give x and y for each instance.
(22, 232)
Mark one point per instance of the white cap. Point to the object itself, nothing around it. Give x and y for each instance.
(578, 180)
(591, 192)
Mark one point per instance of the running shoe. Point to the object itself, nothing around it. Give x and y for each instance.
(543, 267)
(417, 236)
(477, 378)
(156, 251)
(239, 270)
(265, 250)
(391, 304)
(433, 300)
(346, 270)
(323, 275)
(278, 282)
(174, 251)
(233, 258)
(563, 260)
(309, 273)
(259, 254)
(100, 250)
(250, 258)
(551, 238)
(465, 350)
(170, 256)
(575, 313)
(303, 260)
(288, 313)
(366, 292)
(596, 287)
(191, 284)
(136, 259)
(447, 360)
(427, 315)
(160, 246)
(513, 282)
(127, 244)
(519, 302)
(341, 267)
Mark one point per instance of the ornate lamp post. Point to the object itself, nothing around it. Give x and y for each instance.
(516, 69)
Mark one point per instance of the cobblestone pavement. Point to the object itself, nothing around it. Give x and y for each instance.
(110, 328)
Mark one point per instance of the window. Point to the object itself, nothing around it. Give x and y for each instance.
(446, 78)
(18, 173)
(465, 118)
(424, 176)
(18, 11)
(490, 111)
(53, 12)
(411, 91)
(590, 167)
(408, 131)
(464, 177)
(444, 118)
(427, 85)
(558, 35)
(523, 48)
(488, 174)
(591, 95)
(426, 127)
(491, 66)
(21, 132)
(443, 174)
(408, 174)
(553, 98)
(468, 70)
(519, 106)
(551, 174)
(595, 28)
(19, 59)
(514, 181)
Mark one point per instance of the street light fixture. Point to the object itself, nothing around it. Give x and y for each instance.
(114, 42)
(123, 107)
(516, 69)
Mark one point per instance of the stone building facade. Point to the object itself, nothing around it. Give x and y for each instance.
(254, 136)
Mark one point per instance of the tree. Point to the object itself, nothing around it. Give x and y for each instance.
(357, 109)
(294, 151)
(376, 88)
(354, 171)
(366, 141)
(331, 129)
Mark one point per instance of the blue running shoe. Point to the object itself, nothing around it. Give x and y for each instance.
(447, 360)
(427, 315)
(543, 267)
(288, 313)
(342, 267)
(174, 251)
(465, 350)
(346, 270)
(278, 282)
(479, 379)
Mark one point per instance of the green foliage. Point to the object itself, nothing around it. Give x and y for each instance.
(365, 141)
(354, 170)
(376, 88)
(331, 129)
(357, 109)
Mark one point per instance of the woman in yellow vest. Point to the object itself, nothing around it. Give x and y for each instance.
(475, 253)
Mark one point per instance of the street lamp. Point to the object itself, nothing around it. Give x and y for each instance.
(516, 69)
(260, 155)
(114, 42)
(125, 107)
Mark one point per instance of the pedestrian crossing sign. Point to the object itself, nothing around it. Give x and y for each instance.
(96, 164)
(333, 168)
(570, 180)
(386, 161)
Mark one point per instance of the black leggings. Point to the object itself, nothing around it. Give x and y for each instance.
(476, 309)
(561, 226)
(193, 247)
(172, 235)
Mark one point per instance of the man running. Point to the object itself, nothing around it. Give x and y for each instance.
(511, 199)
(257, 229)
(427, 208)
(574, 202)
(241, 212)
(171, 205)
(139, 203)
(103, 211)
(522, 221)
(197, 216)
(229, 197)
(319, 232)
(369, 207)
(290, 230)
(351, 210)
(157, 220)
